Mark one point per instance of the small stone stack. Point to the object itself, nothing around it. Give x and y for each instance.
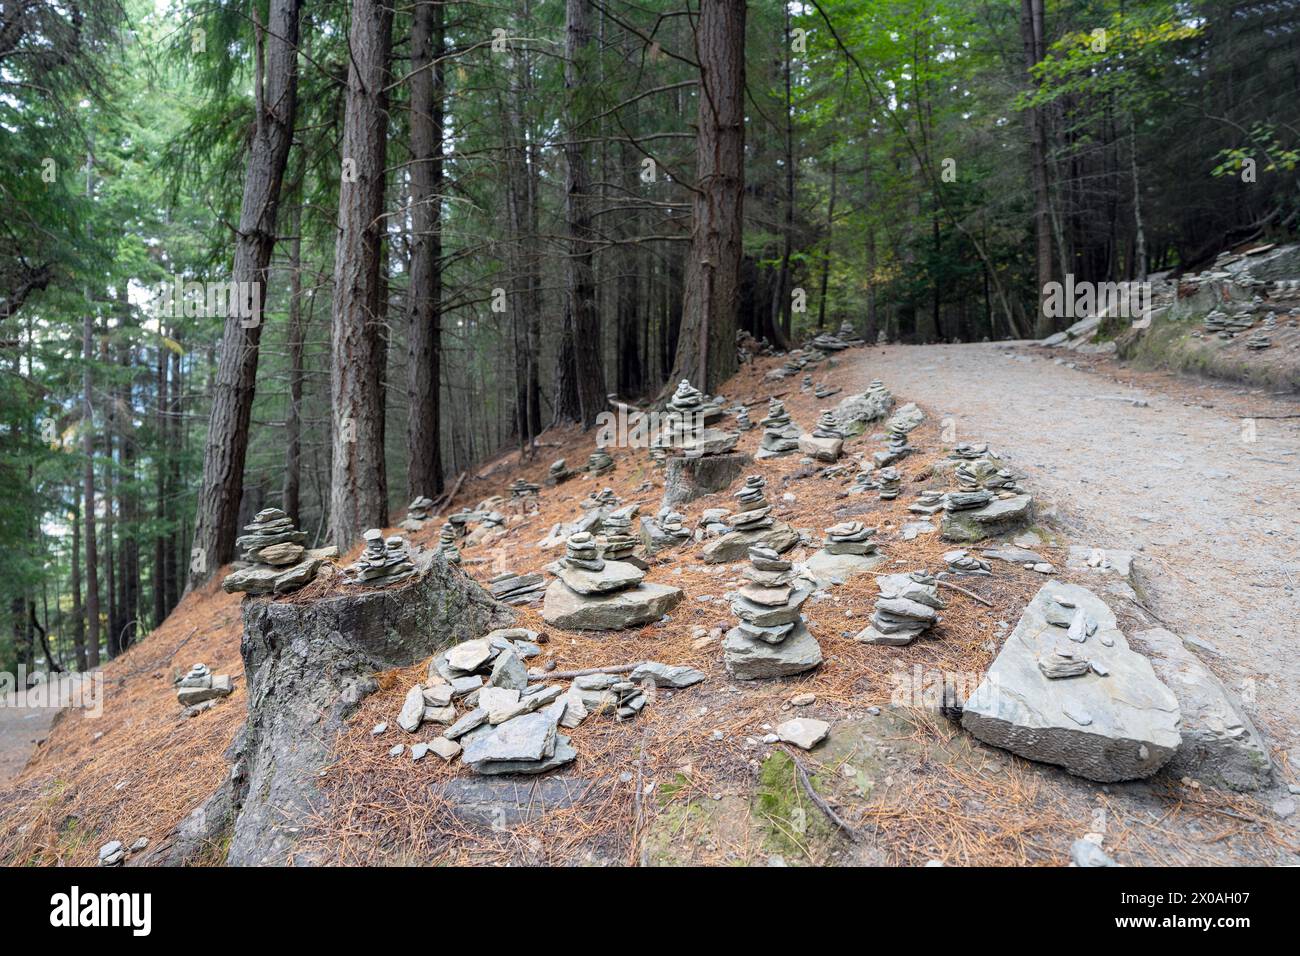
(906, 608)
(850, 537)
(417, 513)
(849, 550)
(962, 562)
(888, 482)
(896, 445)
(609, 694)
(617, 541)
(780, 435)
(742, 419)
(826, 342)
(559, 472)
(1258, 342)
(686, 432)
(590, 593)
(966, 500)
(599, 463)
(848, 335)
(605, 498)
(756, 511)
(666, 530)
(927, 503)
(806, 384)
(199, 686)
(277, 560)
(827, 439)
(447, 549)
(825, 391)
(517, 589)
(520, 489)
(384, 561)
(771, 639)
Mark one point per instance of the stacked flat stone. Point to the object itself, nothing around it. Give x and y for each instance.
(605, 498)
(277, 560)
(618, 542)
(559, 472)
(848, 334)
(826, 342)
(863, 481)
(523, 489)
(493, 519)
(780, 435)
(888, 482)
(850, 537)
(771, 639)
(896, 445)
(966, 500)
(199, 685)
(461, 519)
(666, 530)
(755, 510)
(687, 433)
(384, 561)
(825, 391)
(828, 426)
(590, 593)
(421, 510)
(962, 562)
(599, 463)
(974, 474)
(447, 549)
(1258, 342)
(907, 607)
(927, 503)
(969, 451)
(517, 589)
(807, 383)
(742, 419)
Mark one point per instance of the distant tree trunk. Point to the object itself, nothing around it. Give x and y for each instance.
(826, 259)
(88, 488)
(706, 348)
(424, 335)
(357, 473)
(175, 431)
(275, 90)
(78, 614)
(1031, 34)
(1139, 231)
(584, 317)
(783, 291)
(292, 496)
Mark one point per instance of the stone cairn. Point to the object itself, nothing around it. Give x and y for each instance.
(827, 438)
(559, 472)
(447, 549)
(827, 342)
(966, 500)
(277, 560)
(828, 426)
(666, 530)
(850, 537)
(756, 511)
(907, 606)
(825, 391)
(976, 473)
(806, 384)
(962, 562)
(517, 589)
(771, 639)
(520, 489)
(888, 482)
(896, 444)
(384, 561)
(687, 432)
(200, 686)
(780, 435)
(417, 513)
(590, 593)
(617, 542)
(605, 498)
(742, 419)
(599, 463)
(927, 503)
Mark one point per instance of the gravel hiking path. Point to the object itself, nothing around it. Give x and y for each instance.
(22, 727)
(1214, 517)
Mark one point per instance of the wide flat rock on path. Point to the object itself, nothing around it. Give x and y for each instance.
(1211, 516)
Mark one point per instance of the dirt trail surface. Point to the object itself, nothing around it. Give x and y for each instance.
(1212, 514)
(24, 722)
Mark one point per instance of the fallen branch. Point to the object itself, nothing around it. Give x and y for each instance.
(446, 497)
(970, 594)
(819, 801)
(567, 675)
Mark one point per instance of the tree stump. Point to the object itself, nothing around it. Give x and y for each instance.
(686, 479)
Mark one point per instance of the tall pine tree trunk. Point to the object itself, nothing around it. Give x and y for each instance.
(78, 613)
(706, 344)
(216, 522)
(292, 496)
(1031, 35)
(424, 336)
(88, 490)
(357, 476)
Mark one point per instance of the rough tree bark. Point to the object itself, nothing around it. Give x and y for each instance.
(706, 346)
(587, 367)
(276, 87)
(1031, 35)
(424, 338)
(357, 475)
(88, 488)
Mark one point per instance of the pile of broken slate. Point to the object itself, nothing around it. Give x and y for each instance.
(498, 717)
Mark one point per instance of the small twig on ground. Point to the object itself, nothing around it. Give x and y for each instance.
(819, 801)
(970, 594)
(586, 671)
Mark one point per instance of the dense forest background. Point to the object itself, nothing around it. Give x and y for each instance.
(465, 223)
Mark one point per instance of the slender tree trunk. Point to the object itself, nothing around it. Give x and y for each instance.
(826, 258)
(88, 489)
(1031, 34)
(275, 89)
(783, 292)
(357, 473)
(1139, 231)
(424, 329)
(292, 497)
(78, 613)
(706, 347)
(584, 317)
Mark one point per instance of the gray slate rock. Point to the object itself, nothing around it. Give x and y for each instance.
(666, 675)
(608, 612)
(1123, 726)
(750, 659)
(999, 516)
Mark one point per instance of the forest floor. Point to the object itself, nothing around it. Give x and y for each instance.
(689, 781)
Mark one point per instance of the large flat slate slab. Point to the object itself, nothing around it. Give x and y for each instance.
(997, 517)
(642, 604)
(1122, 726)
